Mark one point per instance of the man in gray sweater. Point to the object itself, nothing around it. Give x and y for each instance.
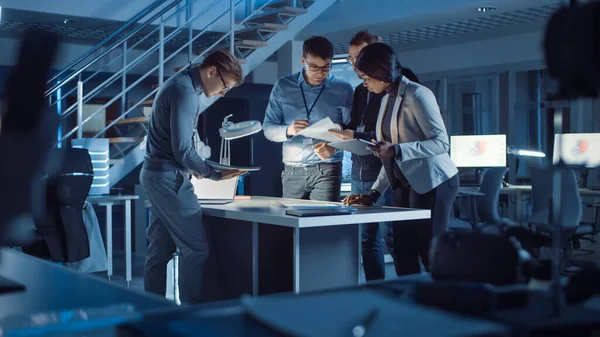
(171, 159)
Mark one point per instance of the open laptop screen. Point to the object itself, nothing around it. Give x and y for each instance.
(207, 189)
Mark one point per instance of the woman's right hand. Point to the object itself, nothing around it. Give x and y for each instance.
(358, 199)
(343, 134)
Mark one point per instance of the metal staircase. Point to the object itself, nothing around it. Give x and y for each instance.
(154, 40)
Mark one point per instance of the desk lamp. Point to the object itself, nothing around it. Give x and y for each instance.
(229, 131)
(523, 153)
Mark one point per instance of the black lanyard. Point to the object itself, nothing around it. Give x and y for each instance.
(362, 118)
(314, 103)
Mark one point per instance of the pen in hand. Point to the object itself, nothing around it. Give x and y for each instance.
(362, 327)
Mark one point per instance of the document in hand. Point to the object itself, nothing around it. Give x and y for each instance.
(356, 146)
(320, 130)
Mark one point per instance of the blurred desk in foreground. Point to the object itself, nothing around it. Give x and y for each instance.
(52, 287)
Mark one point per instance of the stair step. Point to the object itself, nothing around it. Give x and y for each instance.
(120, 140)
(252, 31)
(272, 16)
(240, 43)
(251, 43)
(116, 161)
(147, 102)
(289, 3)
(133, 120)
(241, 61)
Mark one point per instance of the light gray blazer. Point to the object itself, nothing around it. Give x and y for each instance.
(420, 138)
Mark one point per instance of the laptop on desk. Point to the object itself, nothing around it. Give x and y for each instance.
(211, 192)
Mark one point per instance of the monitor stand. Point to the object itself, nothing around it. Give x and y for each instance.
(10, 286)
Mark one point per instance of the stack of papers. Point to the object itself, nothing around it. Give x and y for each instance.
(320, 130)
(356, 146)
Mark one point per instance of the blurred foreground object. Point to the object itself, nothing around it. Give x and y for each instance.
(572, 50)
(28, 134)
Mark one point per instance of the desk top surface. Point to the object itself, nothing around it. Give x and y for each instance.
(272, 211)
(51, 287)
(111, 198)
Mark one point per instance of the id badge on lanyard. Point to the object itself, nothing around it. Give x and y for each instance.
(360, 128)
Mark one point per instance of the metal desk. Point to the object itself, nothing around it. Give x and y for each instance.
(108, 201)
(52, 287)
(286, 253)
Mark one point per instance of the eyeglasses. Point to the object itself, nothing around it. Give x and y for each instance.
(316, 68)
(225, 86)
(351, 60)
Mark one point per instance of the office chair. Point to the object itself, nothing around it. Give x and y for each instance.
(570, 212)
(60, 229)
(483, 204)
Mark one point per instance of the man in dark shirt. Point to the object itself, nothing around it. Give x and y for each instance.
(365, 108)
(365, 169)
(171, 159)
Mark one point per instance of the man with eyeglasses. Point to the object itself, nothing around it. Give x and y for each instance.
(171, 159)
(313, 170)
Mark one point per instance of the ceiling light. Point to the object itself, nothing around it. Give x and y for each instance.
(486, 9)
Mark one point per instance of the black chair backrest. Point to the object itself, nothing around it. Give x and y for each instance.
(69, 160)
(542, 179)
(69, 179)
(487, 208)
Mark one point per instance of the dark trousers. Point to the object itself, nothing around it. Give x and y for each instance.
(412, 239)
(175, 222)
(371, 235)
(315, 182)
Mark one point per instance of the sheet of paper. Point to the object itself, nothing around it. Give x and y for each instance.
(356, 146)
(320, 130)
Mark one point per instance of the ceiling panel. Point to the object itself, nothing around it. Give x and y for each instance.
(479, 24)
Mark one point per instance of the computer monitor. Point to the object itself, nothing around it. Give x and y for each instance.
(577, 149)
(206, 189)
(478, 151)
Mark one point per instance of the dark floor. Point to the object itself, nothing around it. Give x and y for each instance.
(589, 252)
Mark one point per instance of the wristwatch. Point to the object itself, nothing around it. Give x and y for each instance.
(374, 195)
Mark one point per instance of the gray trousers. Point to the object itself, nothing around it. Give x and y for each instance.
(315, 182)
(175, 222)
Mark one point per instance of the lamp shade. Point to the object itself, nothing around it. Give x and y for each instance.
(238, 130)
(525, 153)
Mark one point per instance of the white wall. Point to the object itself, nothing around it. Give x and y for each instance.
(498, 54)
(265, 73)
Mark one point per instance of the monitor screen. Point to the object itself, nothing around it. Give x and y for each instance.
(578, 149)
(478, 151)
(207, 189)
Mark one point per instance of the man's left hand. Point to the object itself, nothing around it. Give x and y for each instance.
(323, 150)
(383, 149)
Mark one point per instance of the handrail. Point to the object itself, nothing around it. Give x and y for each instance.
(123, 115)
(105, 66)
(130, 23)
(140, 58)
(143, 56)
(106, 52)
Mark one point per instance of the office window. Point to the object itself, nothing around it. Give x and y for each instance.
(347, 167)
(472, 106)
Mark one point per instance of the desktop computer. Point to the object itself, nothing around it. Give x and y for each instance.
(580, 150)
(478, 151)
(577, 149)
(471, 154)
